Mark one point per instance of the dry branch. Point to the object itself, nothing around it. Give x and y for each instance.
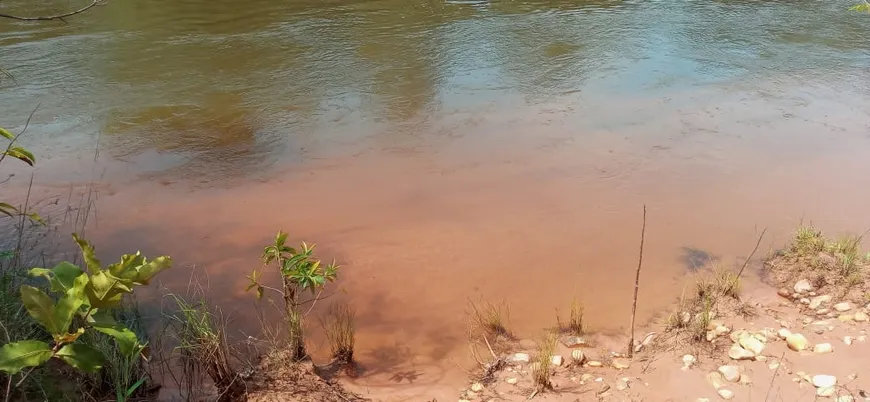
(52, 17)
(637, 285)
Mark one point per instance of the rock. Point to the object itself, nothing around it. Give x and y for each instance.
(845, 398)
(622, 384)
(574, 341)
(823, 348)
(647, 340)
(761, 358)
(796, 342)
(464, 400)
(773, 365)
(689, 361)
(736, 335)
(745, 379)
(586, 377)
(577, 356)
(519, 358)
(847, 340)
(844, 306)
(845, 317)
(817, 301)
(803, 286)
(752, 344)
(852, 376)
(604, 388)
(823, 381)
(826, 391)
(702, 400)
(730, 373)
(804, 300)
(738, 353)
(621, 363)
(760, 336)
(783, 292)
(556, 360)
(593, 363)
(823, 311)
(783, 333)
(511, 380)
(725, 394)
(861, 338)
(715, 379)
(861, 317)
(477, 387)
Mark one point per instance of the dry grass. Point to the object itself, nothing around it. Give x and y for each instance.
(726, 282)
(341, 333)
(491, 318)
(542, 368)
(574, 326)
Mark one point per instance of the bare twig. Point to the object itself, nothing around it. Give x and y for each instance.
(637, 285)
(26, 124)
(770, 387)
(52, 17)
(745, 263)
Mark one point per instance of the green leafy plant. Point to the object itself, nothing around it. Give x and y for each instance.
(863, 7)
(23, 155)
(83, 301)
(299, 272)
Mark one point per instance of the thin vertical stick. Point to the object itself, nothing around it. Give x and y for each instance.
(637, 284)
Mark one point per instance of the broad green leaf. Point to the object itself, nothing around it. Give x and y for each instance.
(18, 355)
(105, 290)
(41, 307)
(70, 303)
(151, 268)
(90, 258)
(102, 317)
(127, 267)
(126, 339)
(6, 134)
(82, 357)
(21, 154)
(61, 276)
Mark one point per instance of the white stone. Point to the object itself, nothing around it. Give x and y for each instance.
(477, 387)
(725, 394)
(511, 380)
(574, 341)
(621, 363)
(738, 353)
(846, 317)
(847, 340)
(578, 356)
(861, 317)
(796, 342)
(826, 391)
(520, 358)
(844, 306)
(773, 365)
(594, 363)
(745, 379)
(783, 333)
(586, 377)
(736, 335)
(556, 360)
(730, 373)
(804, 300)
(845, 398)
(752, 344)
(823, 380)
(803, 286)
(621, 384)
(817, 301)
(823, 348)
(715, 379)
(702, 400)
(688, 361)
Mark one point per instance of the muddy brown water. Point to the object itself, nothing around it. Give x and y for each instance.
(447, 150)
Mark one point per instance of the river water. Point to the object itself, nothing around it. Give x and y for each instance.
(447, 150)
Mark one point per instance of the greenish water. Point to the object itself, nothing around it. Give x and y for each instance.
(218, 88)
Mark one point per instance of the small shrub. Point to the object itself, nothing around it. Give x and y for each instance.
(726, 282)
(491, 318)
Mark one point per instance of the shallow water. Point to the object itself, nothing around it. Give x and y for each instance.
(449, 150)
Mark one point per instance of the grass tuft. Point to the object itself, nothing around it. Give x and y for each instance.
(726, 282)
(574, 326)
(491, 318)
(808, 241)
(341, 333)
(542, 368)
